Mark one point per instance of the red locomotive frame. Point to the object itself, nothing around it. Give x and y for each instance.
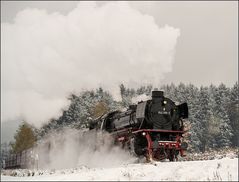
(153, 153)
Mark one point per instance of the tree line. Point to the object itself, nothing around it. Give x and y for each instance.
(213, 113)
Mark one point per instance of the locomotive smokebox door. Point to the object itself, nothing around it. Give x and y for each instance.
(183, 110)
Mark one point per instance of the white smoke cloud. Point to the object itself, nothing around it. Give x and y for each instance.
(142, 97)
(47, 56)
(71, 148)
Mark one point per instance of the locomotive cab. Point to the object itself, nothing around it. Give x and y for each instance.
(183, 110)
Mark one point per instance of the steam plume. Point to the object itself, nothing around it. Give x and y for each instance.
(47, 56)
(71, 148)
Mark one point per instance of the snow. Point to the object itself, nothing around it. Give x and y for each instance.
(225, 169)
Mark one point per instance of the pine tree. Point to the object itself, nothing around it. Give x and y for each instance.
(203, 117)
(125, 96)
(222, 99)
(213, 121)
(181, 90)
(194, 108)
(233, 113)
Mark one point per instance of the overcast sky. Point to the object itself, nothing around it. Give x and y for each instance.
(45, 55)
(207, 49)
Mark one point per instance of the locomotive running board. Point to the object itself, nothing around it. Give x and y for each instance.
(155, 130)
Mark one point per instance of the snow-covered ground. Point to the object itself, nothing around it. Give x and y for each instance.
(225, 169)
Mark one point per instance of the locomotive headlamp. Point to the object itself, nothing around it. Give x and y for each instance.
(164, 102)
(143, 133)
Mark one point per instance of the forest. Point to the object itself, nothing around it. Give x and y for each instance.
(212, 123)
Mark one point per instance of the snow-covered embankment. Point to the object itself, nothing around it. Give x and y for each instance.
(225, 169)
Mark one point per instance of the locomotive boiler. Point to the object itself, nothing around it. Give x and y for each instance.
(152, 128)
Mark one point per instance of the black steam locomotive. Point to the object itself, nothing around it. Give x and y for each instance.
(152, 128)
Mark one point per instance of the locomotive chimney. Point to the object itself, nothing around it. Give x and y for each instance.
(157, 94)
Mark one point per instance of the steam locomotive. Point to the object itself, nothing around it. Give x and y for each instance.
(152, 128)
